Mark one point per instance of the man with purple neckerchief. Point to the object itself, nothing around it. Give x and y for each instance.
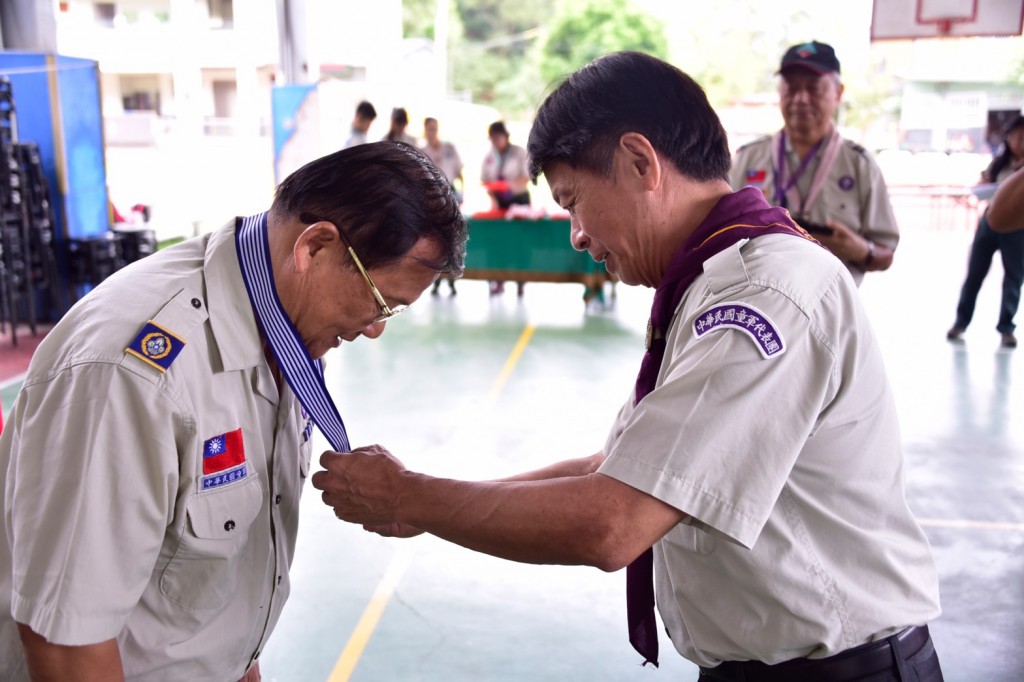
(752, 483)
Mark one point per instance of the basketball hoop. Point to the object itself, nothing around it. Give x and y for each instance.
(911, 19)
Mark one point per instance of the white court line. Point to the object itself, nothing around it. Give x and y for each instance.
(967, 523)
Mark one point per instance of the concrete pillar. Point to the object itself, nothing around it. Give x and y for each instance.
(28, 25)
(188, 77)
(250, 104)
(292, 33)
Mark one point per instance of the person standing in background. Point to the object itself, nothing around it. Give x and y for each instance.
(399, 122)
(986, 242)
(505, 163)
(832, 187)
(446, 157)
(365, 114)
(505, 174)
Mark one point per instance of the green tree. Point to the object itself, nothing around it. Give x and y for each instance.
(491, 51)
(418, 18)
(587, 29)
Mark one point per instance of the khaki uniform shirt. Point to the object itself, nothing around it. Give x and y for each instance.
(778, 437)
(854, 193)
(446, 158)
(514, 167)
(112, 528)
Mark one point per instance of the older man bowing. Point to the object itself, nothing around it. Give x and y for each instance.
(153, 461)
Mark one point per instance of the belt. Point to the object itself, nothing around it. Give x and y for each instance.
(867, 659)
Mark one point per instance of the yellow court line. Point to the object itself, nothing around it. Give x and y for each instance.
(966, 523)
(375, 609)
(371, 616)
(510, 363)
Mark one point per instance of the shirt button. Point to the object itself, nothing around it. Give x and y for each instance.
(277, 499)
(196, 303)
(229, 525)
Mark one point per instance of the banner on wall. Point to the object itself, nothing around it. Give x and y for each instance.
(296, 112)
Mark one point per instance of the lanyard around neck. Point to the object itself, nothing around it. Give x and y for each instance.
(304, 375)
(781, 187)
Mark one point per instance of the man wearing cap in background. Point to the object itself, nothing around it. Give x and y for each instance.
(831, 186)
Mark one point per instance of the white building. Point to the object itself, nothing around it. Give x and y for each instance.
(207, 65)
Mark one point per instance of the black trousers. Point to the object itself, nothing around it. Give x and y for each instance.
(908, 656)
(983, 248)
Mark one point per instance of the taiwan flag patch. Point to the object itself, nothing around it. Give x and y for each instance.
(223, 459)
(757, 176)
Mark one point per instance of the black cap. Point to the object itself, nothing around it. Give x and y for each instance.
(818, 57)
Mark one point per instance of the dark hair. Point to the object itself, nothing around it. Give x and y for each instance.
(497, 128)
(582, 121)
(366, 110)
(384, 198)
(1005, 158)
(400, 115)
(428, 119)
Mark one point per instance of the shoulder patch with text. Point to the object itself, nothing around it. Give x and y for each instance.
(746, 319)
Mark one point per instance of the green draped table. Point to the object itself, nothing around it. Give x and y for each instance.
(530, 251)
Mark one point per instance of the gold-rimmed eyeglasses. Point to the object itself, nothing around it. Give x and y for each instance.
(386, 311)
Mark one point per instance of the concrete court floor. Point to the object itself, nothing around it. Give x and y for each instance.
(433, 389)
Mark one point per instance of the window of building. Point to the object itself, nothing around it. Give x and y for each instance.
(140, 92)
(105, 12)
(222, 13)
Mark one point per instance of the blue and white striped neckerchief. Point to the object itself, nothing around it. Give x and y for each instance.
(304, 375)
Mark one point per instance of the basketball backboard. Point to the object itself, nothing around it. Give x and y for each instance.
(908, 19)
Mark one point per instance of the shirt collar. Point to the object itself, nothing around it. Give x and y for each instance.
(231, 316)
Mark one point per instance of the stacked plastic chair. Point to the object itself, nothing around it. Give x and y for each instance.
(15, 292)
(43, 275)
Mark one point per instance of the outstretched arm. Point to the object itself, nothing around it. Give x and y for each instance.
(1006, 210)
(589, 519)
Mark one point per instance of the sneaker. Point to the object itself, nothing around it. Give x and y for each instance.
(955, 333)
(1009, 341)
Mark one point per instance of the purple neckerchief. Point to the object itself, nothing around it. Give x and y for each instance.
(742, 215)
(780, 171)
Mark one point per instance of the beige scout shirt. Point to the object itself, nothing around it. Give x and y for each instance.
(800, 542)
(854, 193)
(108, 530)
(446, 157)
(514, 167)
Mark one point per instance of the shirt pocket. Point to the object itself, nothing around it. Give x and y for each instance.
(201, 575)
(691, 539)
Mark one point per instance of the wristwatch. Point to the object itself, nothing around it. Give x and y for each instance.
(870, 257)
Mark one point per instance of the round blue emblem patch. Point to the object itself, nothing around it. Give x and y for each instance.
(846, 183)
(156, 346)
